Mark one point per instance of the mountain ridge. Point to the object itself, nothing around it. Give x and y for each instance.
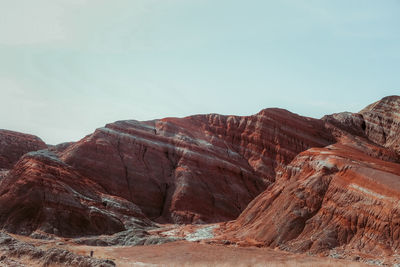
(272, 178)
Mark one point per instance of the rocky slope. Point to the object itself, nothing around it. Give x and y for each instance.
(203, 168)
(382, 122)
(13, 145)
(318, 186)
(43, 193)
(17, 253)
(378, 122)
(341, 198)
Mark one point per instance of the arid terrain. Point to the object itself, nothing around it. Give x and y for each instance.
(178, 253)
(274, 188)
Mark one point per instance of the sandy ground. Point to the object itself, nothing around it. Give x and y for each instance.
(184, 253)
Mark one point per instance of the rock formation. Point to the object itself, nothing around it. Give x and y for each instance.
(382, 122)
(344, 196)
(15, 253)
(43, 193)
(378, 122)
(203, 168)
(313, 185)
(13, 145)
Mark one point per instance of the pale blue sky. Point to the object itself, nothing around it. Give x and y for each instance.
(70, 66)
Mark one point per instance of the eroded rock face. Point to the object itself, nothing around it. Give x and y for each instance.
(203, 168)
(344, 196)
(13, 145)
(325, 184)
(382, 120)
(378, 122)
(43, 193)
(326, 198)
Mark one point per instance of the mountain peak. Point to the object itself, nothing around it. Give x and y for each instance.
(388, 104)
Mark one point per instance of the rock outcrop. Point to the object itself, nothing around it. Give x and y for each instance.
(43, 193)
(382, 122)
(344, 196)
(379, 123)
(17, 253)
(313, 185)
(326, 198)
(203, 168)
(13, 145)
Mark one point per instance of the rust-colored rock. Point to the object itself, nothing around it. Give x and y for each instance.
(326, 198)
(203, 168)
(343, 197)
(378, 122)
(321, 186)
(13, 145)
(43, 193)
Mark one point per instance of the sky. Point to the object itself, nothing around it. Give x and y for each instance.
(68, 67)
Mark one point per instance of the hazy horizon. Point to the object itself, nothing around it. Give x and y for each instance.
(70, 66)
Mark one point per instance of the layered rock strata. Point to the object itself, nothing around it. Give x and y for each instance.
(344, 196)
(203, 168)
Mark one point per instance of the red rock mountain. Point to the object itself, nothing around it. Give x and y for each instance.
(13, 145)
(382, 120)
(301, 184)
(344, 196)
(203, 168)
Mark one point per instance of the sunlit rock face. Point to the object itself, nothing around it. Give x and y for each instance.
(13, 145)
(326, 198)
(344, 196)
